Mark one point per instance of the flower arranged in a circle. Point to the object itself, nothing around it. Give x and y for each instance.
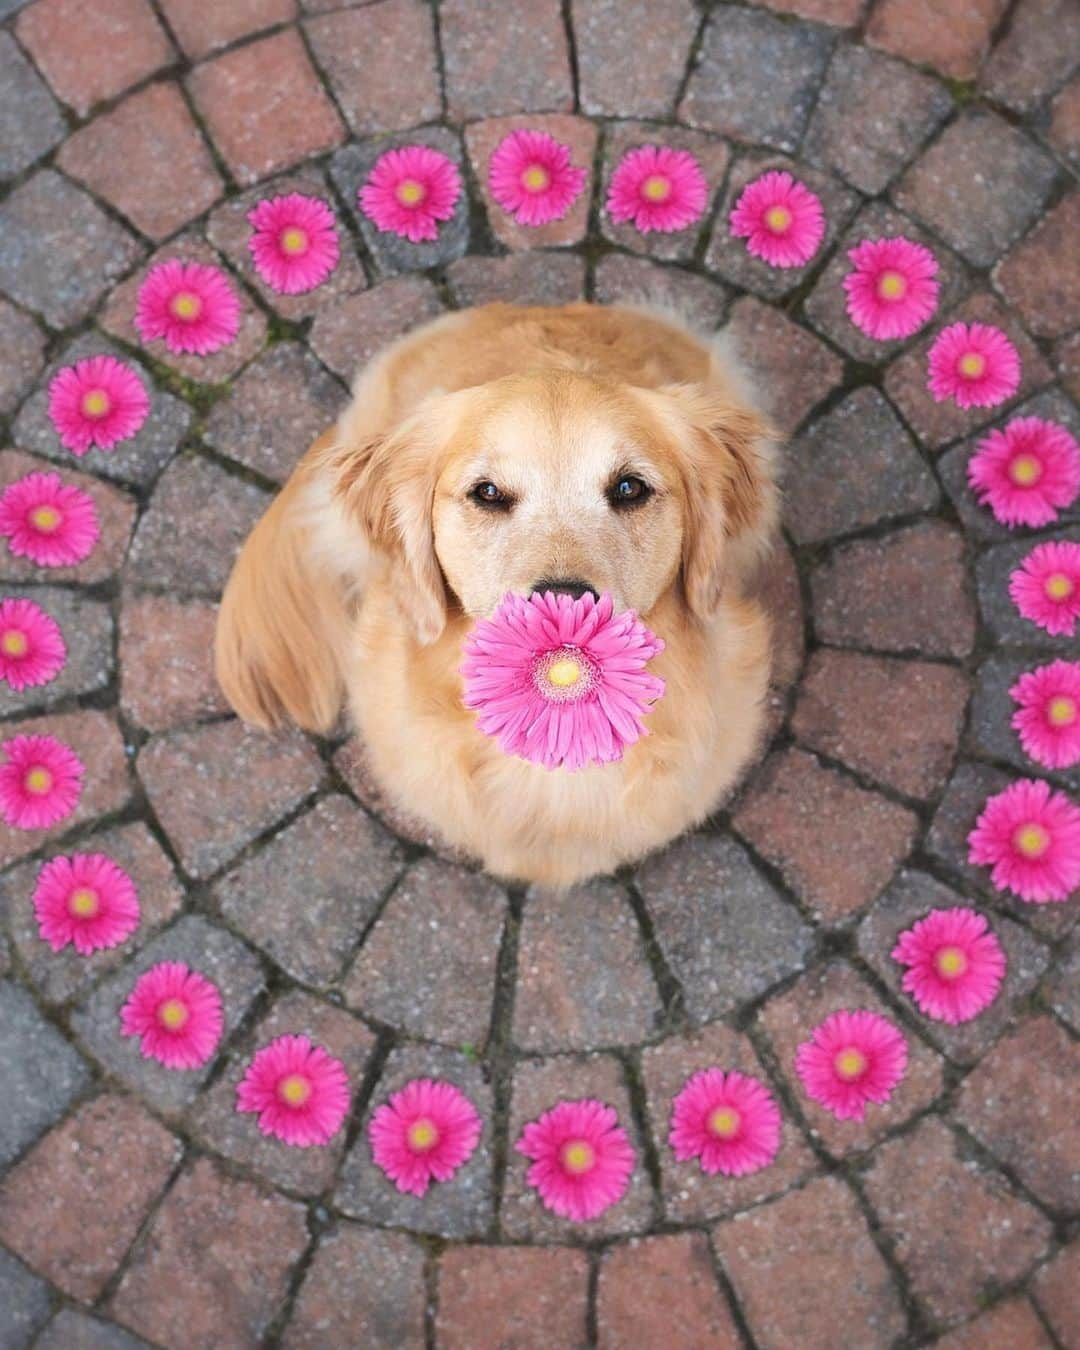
(892, 288)
(411, 190)
(974, 364)
(192, 307)
(86, 900)
(1026, 473)
(424, 1133)
(1030, 837)
(581, 1158)
(40, 782)
(1045, 588)
(728, 1120)
(51, 523)
(954, 962)
(177, 1014)
(294, 242)
(99, 401)
(531, 177)
(561, 681)
(657, 189)
(851, 1059)
(1047, 715)
(781, 220)
(300, 1092)
(32, 650)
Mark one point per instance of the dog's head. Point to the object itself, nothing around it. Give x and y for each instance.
(565, 481)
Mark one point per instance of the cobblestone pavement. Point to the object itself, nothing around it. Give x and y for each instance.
(136, 1207)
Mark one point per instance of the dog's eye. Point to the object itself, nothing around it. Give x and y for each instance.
(630, 491)
(487, 494)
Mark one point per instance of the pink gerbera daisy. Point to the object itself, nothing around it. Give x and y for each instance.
(177, 1012)
(1048, 713)
(531, 177)
(97, 401)
(40, 782)
(299, 1090)
(561, 681)
(424, 1133)
(191, 306)
(974, 364)
(955, 964)
(86, 900)
(853, 1058)
(891, 291)
(1026, 473)
(1030, 837)
(581, 1158)
(1046, 586)
(32, 650)
(52, 524)
(410, 190)
(294, 242)
(728, 1120)
(780, 219)
(657, 188)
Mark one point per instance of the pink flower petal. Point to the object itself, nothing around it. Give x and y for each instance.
(852, 1058)
(32, 650)
(294, 242)
(190, 306)
(424, 1133)
(954, 962)
(582, 1159)
(299, 1091)
(177, 1014)
(781, 220)
(657, 189)
(99, 402)
(51, 524)
(1030, 838)
(85, 900)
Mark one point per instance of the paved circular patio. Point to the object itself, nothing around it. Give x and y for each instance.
(136, 1206)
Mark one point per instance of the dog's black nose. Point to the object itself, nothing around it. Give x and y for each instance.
(568, 584)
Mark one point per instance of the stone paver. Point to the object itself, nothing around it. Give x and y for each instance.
(641, 74)
(662, 1290)
(201, 26)
(1040, 278)
(22, 355)
(1054, 1290)
(71, 1330)
(621, 279)
(512, 1296)
(520, 278)
(1064, 129)
(30, 122)
(991, 732)
(166, 661)
(25, 1303)
(504, 56)
(1006, 624)
(952, 36)
(349, 333)
(1013, 1322)
(1041, 48)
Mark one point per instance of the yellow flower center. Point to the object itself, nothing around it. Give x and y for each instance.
(1061, 711)
(38, 780)
(1031, 840)
(423, 1135)
(656, 188)
(564, 673)
(1059, 586)
(950, 962)
(186, 305)
(84, 902)
(850, 1063)
(778, 219)
(578, 1157)
(173, 1014)
(13, 643)
(45, 518)
(724, 1122)
(535, 178)
(972, 365)
(891, 286)
(410, 192)
(1025, 470)
(294, 1090)
(294, 240)
(96, 403)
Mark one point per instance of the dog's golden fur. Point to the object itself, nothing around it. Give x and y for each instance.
(362, 579)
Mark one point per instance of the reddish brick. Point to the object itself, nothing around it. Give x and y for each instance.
(364, 53)
(364, 1287)
(216, 787)
(146, 158)
(1040, 49)
(1054, 1290)
(512, 1296)
(504, 56)
(203, 26)
(662, 1291)
(952, 36)
(1040, 278)
(1067, 361)
(166, 661)
(1013, 1323)
(791, 1017)
(622, 279)
(347, 335)
(795, 369)
(214, 1267)
(22, 355)
(689, 1195)
(640, 74)
(520, 279)
(1064, 129)
(808, 1274)
(1023, 1103)
(74, 1205)
(69, 41)
(907, 591)
(116, 516)
(842, 13)
(957, 1228)
(265, 107)
(483, 138)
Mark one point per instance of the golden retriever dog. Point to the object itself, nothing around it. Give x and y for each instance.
(507, 448)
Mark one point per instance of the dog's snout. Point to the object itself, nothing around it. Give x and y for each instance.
(571, 585)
